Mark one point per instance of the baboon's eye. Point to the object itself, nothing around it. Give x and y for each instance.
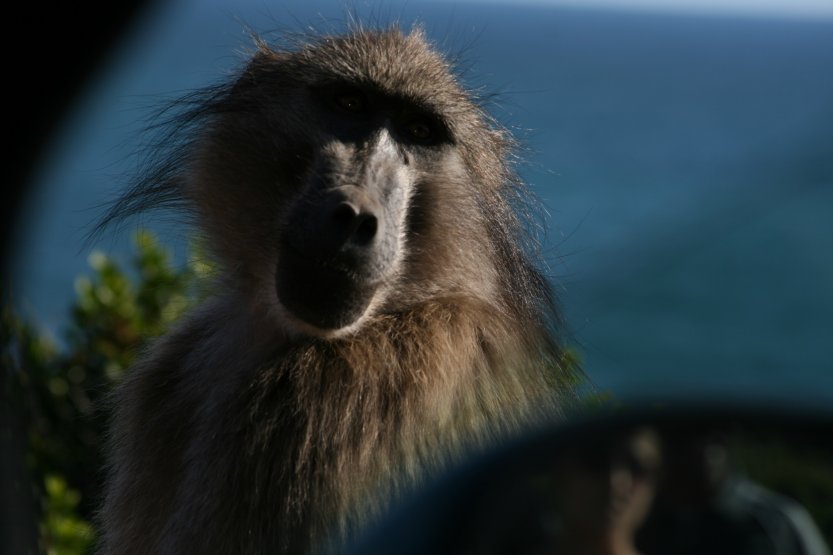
(420, 130)
(350, 101)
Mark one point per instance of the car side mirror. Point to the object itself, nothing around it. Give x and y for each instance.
(695, 478)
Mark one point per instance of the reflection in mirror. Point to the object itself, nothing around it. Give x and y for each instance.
(715, 496)
(602, 493)
(627, 486)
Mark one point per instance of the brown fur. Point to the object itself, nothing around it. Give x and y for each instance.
(249, 430)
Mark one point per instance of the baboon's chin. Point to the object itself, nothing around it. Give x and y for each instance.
(324, 298)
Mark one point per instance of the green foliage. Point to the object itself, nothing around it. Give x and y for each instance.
(61, 529)
(61, 392)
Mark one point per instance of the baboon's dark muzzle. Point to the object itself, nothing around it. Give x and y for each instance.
(343, 224)
(331, 260)
(342, 238)
(325, 296)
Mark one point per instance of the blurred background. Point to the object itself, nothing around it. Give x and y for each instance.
(684, 153)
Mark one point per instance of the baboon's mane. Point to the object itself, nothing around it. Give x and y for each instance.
(306, 426)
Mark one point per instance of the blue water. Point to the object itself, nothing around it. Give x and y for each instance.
(686, 164)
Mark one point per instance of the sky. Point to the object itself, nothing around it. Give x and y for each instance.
(766, 8)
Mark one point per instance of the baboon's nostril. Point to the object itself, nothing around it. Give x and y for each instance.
(366, 230)
(353, 224)
(344, 216)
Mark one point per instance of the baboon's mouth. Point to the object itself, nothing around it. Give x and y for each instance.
(327, 295)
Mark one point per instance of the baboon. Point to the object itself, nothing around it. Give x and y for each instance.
(379, 310)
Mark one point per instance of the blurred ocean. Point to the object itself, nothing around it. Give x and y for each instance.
(686, 164)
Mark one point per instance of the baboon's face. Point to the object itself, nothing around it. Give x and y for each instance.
(338, 196)
(346, 229)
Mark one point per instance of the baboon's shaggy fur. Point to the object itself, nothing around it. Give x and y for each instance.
(255, 428)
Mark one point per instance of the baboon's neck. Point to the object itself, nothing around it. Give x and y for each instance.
(408, 393)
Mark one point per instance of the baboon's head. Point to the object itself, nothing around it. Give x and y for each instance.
(349, 177)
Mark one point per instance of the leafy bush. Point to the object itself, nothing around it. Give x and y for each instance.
(61, 392)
